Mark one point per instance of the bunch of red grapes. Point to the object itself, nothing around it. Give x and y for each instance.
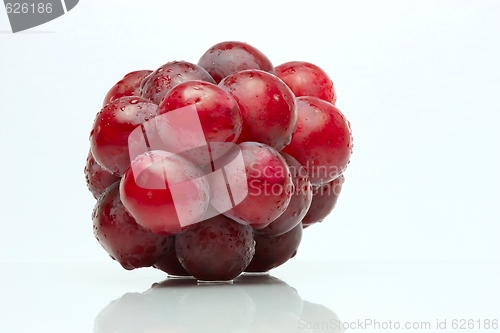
(214, 169)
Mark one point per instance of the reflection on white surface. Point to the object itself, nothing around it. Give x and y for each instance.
(262, 304)
(66, 297)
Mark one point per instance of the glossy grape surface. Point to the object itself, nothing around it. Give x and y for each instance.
(164, 192)
(215, 249)
(322, 142)
(120, 235)
(130, 85)
(323, 201)
(269, 184)
(230, 57)
(299, 203)
(169, 263)
(306, 79)
(217, 111)
(267, 105)
(97, 179)
(271, 252)
(109, 138)
(162, 80)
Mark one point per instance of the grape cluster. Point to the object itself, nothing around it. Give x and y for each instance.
(215, 168)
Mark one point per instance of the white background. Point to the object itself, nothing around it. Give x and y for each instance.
(419, 81)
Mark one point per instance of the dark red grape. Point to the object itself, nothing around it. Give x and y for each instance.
(109, 138)
(323, 201)
(322, 142)
(268, 107)
(271, 252)
(97, 179)
(169, 263)
(299, 203)
(215, 249)
(230, 57)
(120, 235)
(128, 86)
(306, 79)
(162, 80)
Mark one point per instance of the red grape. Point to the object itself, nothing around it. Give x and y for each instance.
(97, 179)
(128, 86)
(226, 161)
(217, 110)
(306, 79)
(119, 234)
(215, 249)
(109, 138)
(322, 142)
(274, 251)
(269, 184)
(159, 83)
(230, 57)
(299, 203)
(267, 105)
(323, 201)
(164, 192)
(169, 263)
